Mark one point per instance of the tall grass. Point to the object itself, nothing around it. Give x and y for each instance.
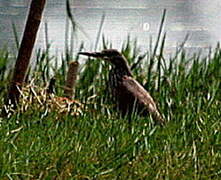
(97, 144)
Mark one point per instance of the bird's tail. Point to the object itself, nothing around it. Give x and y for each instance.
(158, 117)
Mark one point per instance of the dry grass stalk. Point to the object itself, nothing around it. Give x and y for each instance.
(37, 98)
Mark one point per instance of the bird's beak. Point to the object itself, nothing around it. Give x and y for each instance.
(92, 54)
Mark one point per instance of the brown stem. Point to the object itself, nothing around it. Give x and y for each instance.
(71, 79)
(25, 51)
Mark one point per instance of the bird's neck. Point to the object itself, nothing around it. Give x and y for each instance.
(121, 68)
(120, 72)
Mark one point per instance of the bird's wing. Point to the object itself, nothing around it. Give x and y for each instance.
(138, 91)
(142, 96)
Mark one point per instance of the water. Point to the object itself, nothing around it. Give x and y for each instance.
(199, 18)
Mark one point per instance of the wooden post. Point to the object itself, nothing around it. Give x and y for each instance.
(71, 79)
(25, 51)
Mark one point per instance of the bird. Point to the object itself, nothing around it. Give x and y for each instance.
(130, 96)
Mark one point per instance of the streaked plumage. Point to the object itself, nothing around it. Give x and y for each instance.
(128, 94)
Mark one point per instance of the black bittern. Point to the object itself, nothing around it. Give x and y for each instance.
(128, 94)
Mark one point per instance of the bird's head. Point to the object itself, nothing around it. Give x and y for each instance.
(110, 55)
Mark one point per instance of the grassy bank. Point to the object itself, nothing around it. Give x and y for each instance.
(98, 145)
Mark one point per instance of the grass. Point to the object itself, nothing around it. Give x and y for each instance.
(98, 145)
(35, 144)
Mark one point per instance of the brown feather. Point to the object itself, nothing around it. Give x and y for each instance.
(143, 98)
